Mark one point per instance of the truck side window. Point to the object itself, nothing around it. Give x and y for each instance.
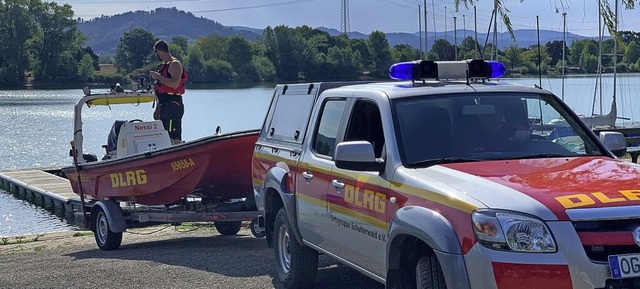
(365, 124)
(324, 140)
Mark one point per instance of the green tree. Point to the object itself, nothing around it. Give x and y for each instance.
(468, 49)
(554, 50)
(588, 62)
(86, 69)
(632, 54)
(15, 30)
(133, 49)
(346, 63)
(195, 64)
(212, 46)
(219, 71)
(405, 52)
(54, 42)
(360, 46)
(380, 53)
(265, 69)
(512, 54)
(443, 49)
(285, 49)
(181, 41)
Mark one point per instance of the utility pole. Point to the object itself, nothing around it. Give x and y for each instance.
(344, 23)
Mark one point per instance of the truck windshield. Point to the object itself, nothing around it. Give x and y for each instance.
(472, 127)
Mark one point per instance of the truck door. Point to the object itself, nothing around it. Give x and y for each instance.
(314, 172)
(357, 201)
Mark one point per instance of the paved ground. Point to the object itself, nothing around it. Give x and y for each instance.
(167, 259)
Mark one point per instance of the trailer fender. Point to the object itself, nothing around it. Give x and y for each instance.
(276, 179)
(113, 212)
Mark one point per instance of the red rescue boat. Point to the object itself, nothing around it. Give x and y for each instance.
(142, 166)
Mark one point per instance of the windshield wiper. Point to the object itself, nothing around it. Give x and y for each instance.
(431, 162)
(544, 156)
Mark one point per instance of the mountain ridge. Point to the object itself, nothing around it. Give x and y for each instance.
(105, 32)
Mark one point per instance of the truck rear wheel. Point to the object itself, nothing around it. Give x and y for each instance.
(297, 265)
(228, 228)
(429, 274)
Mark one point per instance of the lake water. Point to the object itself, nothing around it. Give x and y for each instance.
(37, 127)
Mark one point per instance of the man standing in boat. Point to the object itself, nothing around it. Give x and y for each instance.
(169, 88)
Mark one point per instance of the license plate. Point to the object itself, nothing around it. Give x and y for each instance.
(624, 266)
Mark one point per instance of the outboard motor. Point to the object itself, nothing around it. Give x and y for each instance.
(112, 139)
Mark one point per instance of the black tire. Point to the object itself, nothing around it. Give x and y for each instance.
(228, 228)
(429, 274)
(297, 265)
(256, 230)
(105, 239)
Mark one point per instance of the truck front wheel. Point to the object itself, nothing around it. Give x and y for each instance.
(429, 274)
(297, 265)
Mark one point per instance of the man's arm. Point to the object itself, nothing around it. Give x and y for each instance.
(175, 69)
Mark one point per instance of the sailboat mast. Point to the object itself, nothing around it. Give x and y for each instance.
(426, 31)
(615, 52)
(420, 29)
(564, 44)
(495, 31)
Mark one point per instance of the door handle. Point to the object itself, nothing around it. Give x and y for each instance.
(337, 184)
(307, 176)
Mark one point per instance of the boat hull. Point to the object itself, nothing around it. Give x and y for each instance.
(216, 167)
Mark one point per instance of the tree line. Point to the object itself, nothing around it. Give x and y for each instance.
(41, 43)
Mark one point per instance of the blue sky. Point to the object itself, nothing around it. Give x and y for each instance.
(370, 15)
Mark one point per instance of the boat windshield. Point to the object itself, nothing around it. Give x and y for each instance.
(492, 126)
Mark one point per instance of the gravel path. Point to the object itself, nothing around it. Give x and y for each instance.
(166, 259)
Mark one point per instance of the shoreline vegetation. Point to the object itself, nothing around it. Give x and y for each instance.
(45, 55)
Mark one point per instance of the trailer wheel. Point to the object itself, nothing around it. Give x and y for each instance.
(256, 230)
(228, 228)
(297, 265)
(429, 274)
(105, 239)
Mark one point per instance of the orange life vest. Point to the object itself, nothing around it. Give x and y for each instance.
(161, 88)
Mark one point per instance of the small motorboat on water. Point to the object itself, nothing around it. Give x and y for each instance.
(142, 166)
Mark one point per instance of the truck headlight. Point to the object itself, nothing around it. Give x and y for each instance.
(508, 231)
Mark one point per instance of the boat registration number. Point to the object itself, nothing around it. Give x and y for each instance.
(182, 164)
(624, 266)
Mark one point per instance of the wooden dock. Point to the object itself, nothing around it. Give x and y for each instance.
(44, 189)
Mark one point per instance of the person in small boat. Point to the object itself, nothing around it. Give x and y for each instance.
(492, 133)
(169, 88)
(119, 88)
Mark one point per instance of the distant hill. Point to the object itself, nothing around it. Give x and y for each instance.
(524, 37)
(105, 32)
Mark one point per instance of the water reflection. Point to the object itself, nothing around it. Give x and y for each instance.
(19, 217)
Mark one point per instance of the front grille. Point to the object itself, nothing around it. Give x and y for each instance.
(599, 252)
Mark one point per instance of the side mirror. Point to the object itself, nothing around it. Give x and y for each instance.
(615, 142)
(357, 156)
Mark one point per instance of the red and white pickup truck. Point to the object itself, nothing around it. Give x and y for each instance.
(445, 183)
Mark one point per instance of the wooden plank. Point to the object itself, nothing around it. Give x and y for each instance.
(43, 182)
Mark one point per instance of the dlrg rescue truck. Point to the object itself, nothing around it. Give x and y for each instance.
(445, 180)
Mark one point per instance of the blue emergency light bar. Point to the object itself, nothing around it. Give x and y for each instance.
(428, 69)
